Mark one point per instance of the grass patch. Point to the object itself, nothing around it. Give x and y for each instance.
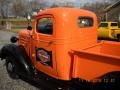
(15, 25)
(14, 30)
(23, 19)
(4, 42)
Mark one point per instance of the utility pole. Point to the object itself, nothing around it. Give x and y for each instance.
(106, 16)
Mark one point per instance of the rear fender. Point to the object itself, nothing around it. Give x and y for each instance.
(21, 57)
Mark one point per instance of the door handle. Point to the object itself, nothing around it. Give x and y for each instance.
(50, 42)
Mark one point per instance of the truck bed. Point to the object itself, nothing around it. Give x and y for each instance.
(93, 62)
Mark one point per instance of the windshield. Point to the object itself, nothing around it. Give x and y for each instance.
(103, 25)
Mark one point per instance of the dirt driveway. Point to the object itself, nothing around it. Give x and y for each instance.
(7, 83)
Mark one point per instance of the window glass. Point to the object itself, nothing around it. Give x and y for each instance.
(103, 25)
(45, 25)
(85, 22)
(114, 24)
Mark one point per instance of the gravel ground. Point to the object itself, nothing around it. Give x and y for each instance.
(6, 83)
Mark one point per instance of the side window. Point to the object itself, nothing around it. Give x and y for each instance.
(85, 22)
(114, 24)
(103, 25)
(45, 25)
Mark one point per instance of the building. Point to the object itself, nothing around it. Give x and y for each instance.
(113, 12)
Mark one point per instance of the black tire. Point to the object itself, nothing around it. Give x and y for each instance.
(113, 77)
(11, 67)
(109, 81)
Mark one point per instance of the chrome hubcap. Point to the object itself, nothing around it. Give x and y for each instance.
(10, 67)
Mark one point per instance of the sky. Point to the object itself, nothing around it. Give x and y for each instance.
(75, 2)
(61, 1)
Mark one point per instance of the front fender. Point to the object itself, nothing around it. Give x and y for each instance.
(0, 53)
(21, 57)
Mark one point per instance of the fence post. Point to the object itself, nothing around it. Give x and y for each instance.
(8, 25)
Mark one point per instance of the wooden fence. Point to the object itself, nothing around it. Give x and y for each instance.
(9, 24)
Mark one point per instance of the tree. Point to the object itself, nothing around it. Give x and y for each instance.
(69, 4)
(113, 1)
(65, 4)
(98, 8)
(20, 7)
(4, 5)
(54, 5)
(35, 4)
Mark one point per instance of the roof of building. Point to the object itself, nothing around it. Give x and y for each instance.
(112, 6)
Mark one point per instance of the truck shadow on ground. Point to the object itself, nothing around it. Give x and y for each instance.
(100, 39)
(77, 86)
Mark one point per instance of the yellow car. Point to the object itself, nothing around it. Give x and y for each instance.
(109, 30)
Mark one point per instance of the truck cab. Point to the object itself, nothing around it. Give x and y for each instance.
(109, 30)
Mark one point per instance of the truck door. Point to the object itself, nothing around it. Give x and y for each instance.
(44, 46)
(103, 31)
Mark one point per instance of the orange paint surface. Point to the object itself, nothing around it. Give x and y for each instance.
(75, 51)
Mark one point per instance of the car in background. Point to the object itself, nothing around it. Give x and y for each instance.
(109, 30)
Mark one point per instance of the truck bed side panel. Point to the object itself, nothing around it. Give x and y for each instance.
(111, 48)
(91, 66)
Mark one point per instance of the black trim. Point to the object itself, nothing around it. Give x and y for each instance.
(50, 83)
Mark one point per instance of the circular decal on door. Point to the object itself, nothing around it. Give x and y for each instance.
(43, 56)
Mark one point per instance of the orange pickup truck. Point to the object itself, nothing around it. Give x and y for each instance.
(62, 45)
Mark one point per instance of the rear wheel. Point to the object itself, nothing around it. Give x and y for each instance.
(11, 67)
(110, 80)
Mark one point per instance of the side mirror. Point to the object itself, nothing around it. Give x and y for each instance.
(29, 28)
(29, 20)
(28, 17)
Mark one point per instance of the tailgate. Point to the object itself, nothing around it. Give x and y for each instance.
(90, 66)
